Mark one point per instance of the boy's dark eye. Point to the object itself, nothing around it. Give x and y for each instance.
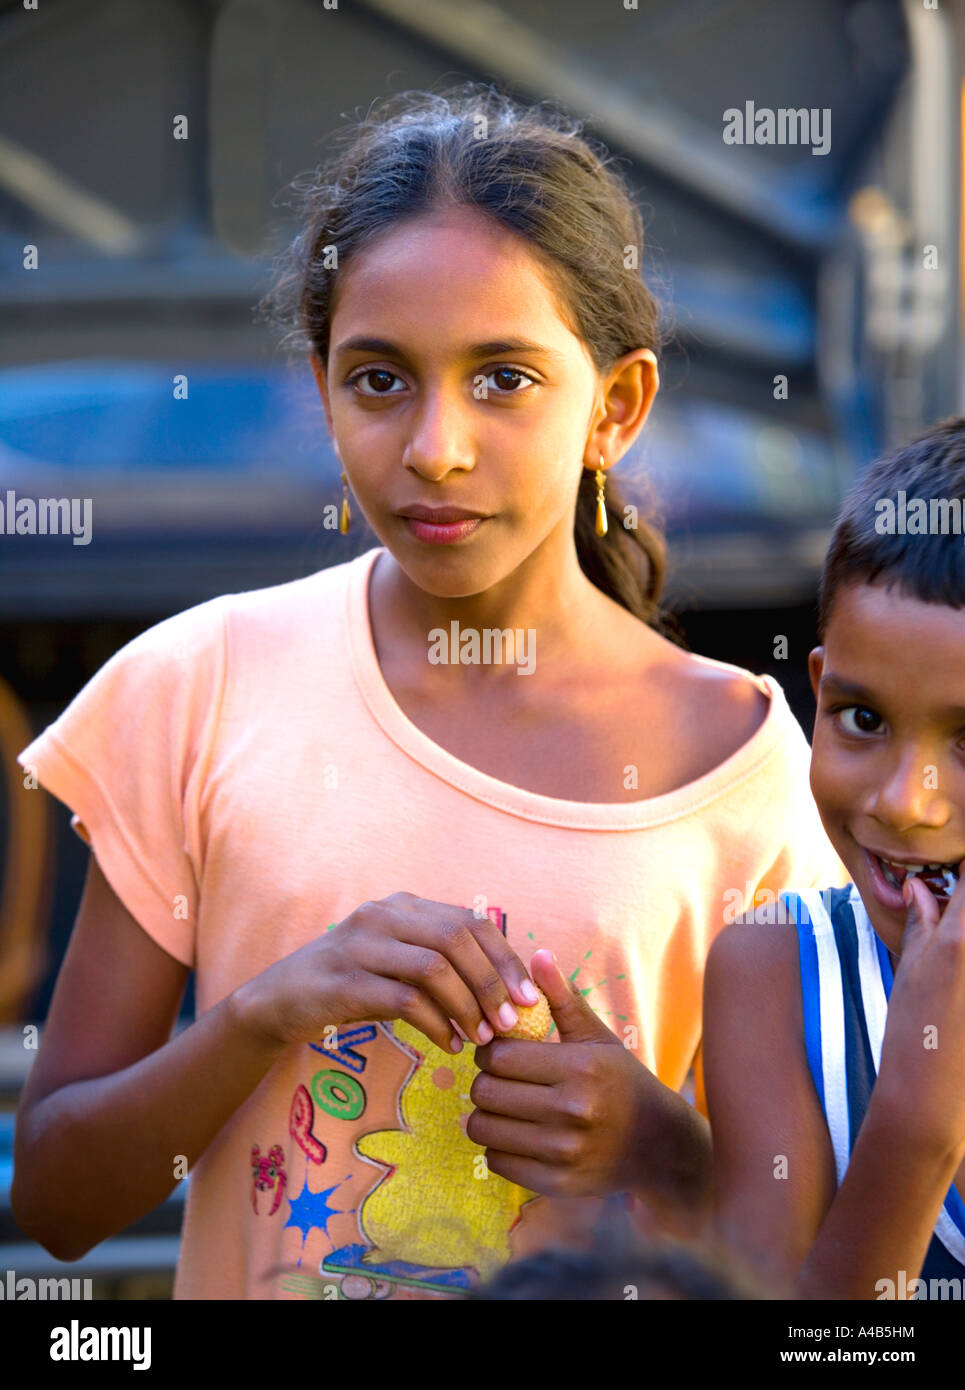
(859, 719)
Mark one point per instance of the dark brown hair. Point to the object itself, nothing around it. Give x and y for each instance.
(928, 565)
(533, 171)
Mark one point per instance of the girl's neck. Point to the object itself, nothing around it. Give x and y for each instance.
(562, 613)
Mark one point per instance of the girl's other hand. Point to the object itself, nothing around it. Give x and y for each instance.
(922, 1073)
(401, 957)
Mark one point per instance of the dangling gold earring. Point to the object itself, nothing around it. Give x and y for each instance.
(600, 507)
(345, 517)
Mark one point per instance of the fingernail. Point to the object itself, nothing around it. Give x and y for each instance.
(484, 1033)
(907, 892)
(528, 990)
(508, 1016)
(455, 1043)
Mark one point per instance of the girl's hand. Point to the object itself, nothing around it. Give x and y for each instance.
(922, 1072)
(399, 957)
(562, 1118)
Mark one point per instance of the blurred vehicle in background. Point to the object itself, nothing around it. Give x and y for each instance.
(814, 303)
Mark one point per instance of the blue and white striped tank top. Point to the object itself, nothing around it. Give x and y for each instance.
(846, 980)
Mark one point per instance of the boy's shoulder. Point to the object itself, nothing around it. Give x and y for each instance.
(757, 951)
(762, 947)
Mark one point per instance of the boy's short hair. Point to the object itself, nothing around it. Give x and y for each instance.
(872, 540)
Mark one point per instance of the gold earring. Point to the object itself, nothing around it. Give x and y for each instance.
(600, 507)
(345, 517)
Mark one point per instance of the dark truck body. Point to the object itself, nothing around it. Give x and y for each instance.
(774, 264)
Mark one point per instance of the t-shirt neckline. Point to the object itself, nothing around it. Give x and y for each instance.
(518, 801)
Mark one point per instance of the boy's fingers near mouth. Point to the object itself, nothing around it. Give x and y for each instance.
(923, 914)
(953, 914)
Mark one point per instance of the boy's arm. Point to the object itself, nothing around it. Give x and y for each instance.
(773, 1162)
(767, 1121)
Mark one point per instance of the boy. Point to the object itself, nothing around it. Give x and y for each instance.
(827, 1188)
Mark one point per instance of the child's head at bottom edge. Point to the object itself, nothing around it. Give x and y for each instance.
(888, 751)
(622, 1266)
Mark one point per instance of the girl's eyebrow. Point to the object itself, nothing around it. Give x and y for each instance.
(496, 348)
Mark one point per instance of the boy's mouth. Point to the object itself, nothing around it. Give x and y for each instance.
(939, 879)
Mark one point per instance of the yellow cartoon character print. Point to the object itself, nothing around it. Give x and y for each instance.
(440, 1206)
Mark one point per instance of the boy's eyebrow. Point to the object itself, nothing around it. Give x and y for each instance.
(846, 687)
(496, 348)
(858, 692)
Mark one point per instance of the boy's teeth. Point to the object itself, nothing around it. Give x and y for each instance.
(940, 878)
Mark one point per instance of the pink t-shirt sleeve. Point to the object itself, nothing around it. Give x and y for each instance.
(128, 757)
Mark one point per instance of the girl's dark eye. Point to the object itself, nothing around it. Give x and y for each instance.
(384, 379)
(859, 719)
(509, 387)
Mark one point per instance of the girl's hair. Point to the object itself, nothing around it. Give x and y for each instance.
(532, 170)
(872, 541)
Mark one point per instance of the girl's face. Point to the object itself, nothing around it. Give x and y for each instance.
(452, 381)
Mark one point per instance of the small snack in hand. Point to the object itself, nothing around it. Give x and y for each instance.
(535, 1020)
(939, 879)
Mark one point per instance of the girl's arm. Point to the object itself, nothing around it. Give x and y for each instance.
(774, 1178)
(111, 1102)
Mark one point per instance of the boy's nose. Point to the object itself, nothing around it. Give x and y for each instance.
(911, 796)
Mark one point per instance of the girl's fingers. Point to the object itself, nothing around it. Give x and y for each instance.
(430, 971)
(518, 1100)
(511, 969)
(524, 1172)
(457, 933)
(519, 1137)
(390, 999)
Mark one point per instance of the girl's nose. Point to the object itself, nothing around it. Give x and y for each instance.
(440, 439)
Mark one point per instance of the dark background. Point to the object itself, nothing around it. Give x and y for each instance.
(767, 260)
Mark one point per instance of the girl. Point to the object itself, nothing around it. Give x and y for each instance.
(356, 832)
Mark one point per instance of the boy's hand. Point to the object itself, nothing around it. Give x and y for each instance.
(922, 1073)
(563, 1119)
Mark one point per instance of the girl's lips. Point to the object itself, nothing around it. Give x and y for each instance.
(439, 533)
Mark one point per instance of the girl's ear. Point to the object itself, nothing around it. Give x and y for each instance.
(318, 371)
(815, 668)
(321, 381)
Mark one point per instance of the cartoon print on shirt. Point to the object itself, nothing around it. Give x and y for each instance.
(435, 1217)
(310, 1209)
(438, 1205)
(301, 1117)
(268, 1175)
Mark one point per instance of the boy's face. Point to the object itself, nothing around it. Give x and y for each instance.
(888, 753)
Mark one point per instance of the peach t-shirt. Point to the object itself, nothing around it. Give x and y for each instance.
(246, 779)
